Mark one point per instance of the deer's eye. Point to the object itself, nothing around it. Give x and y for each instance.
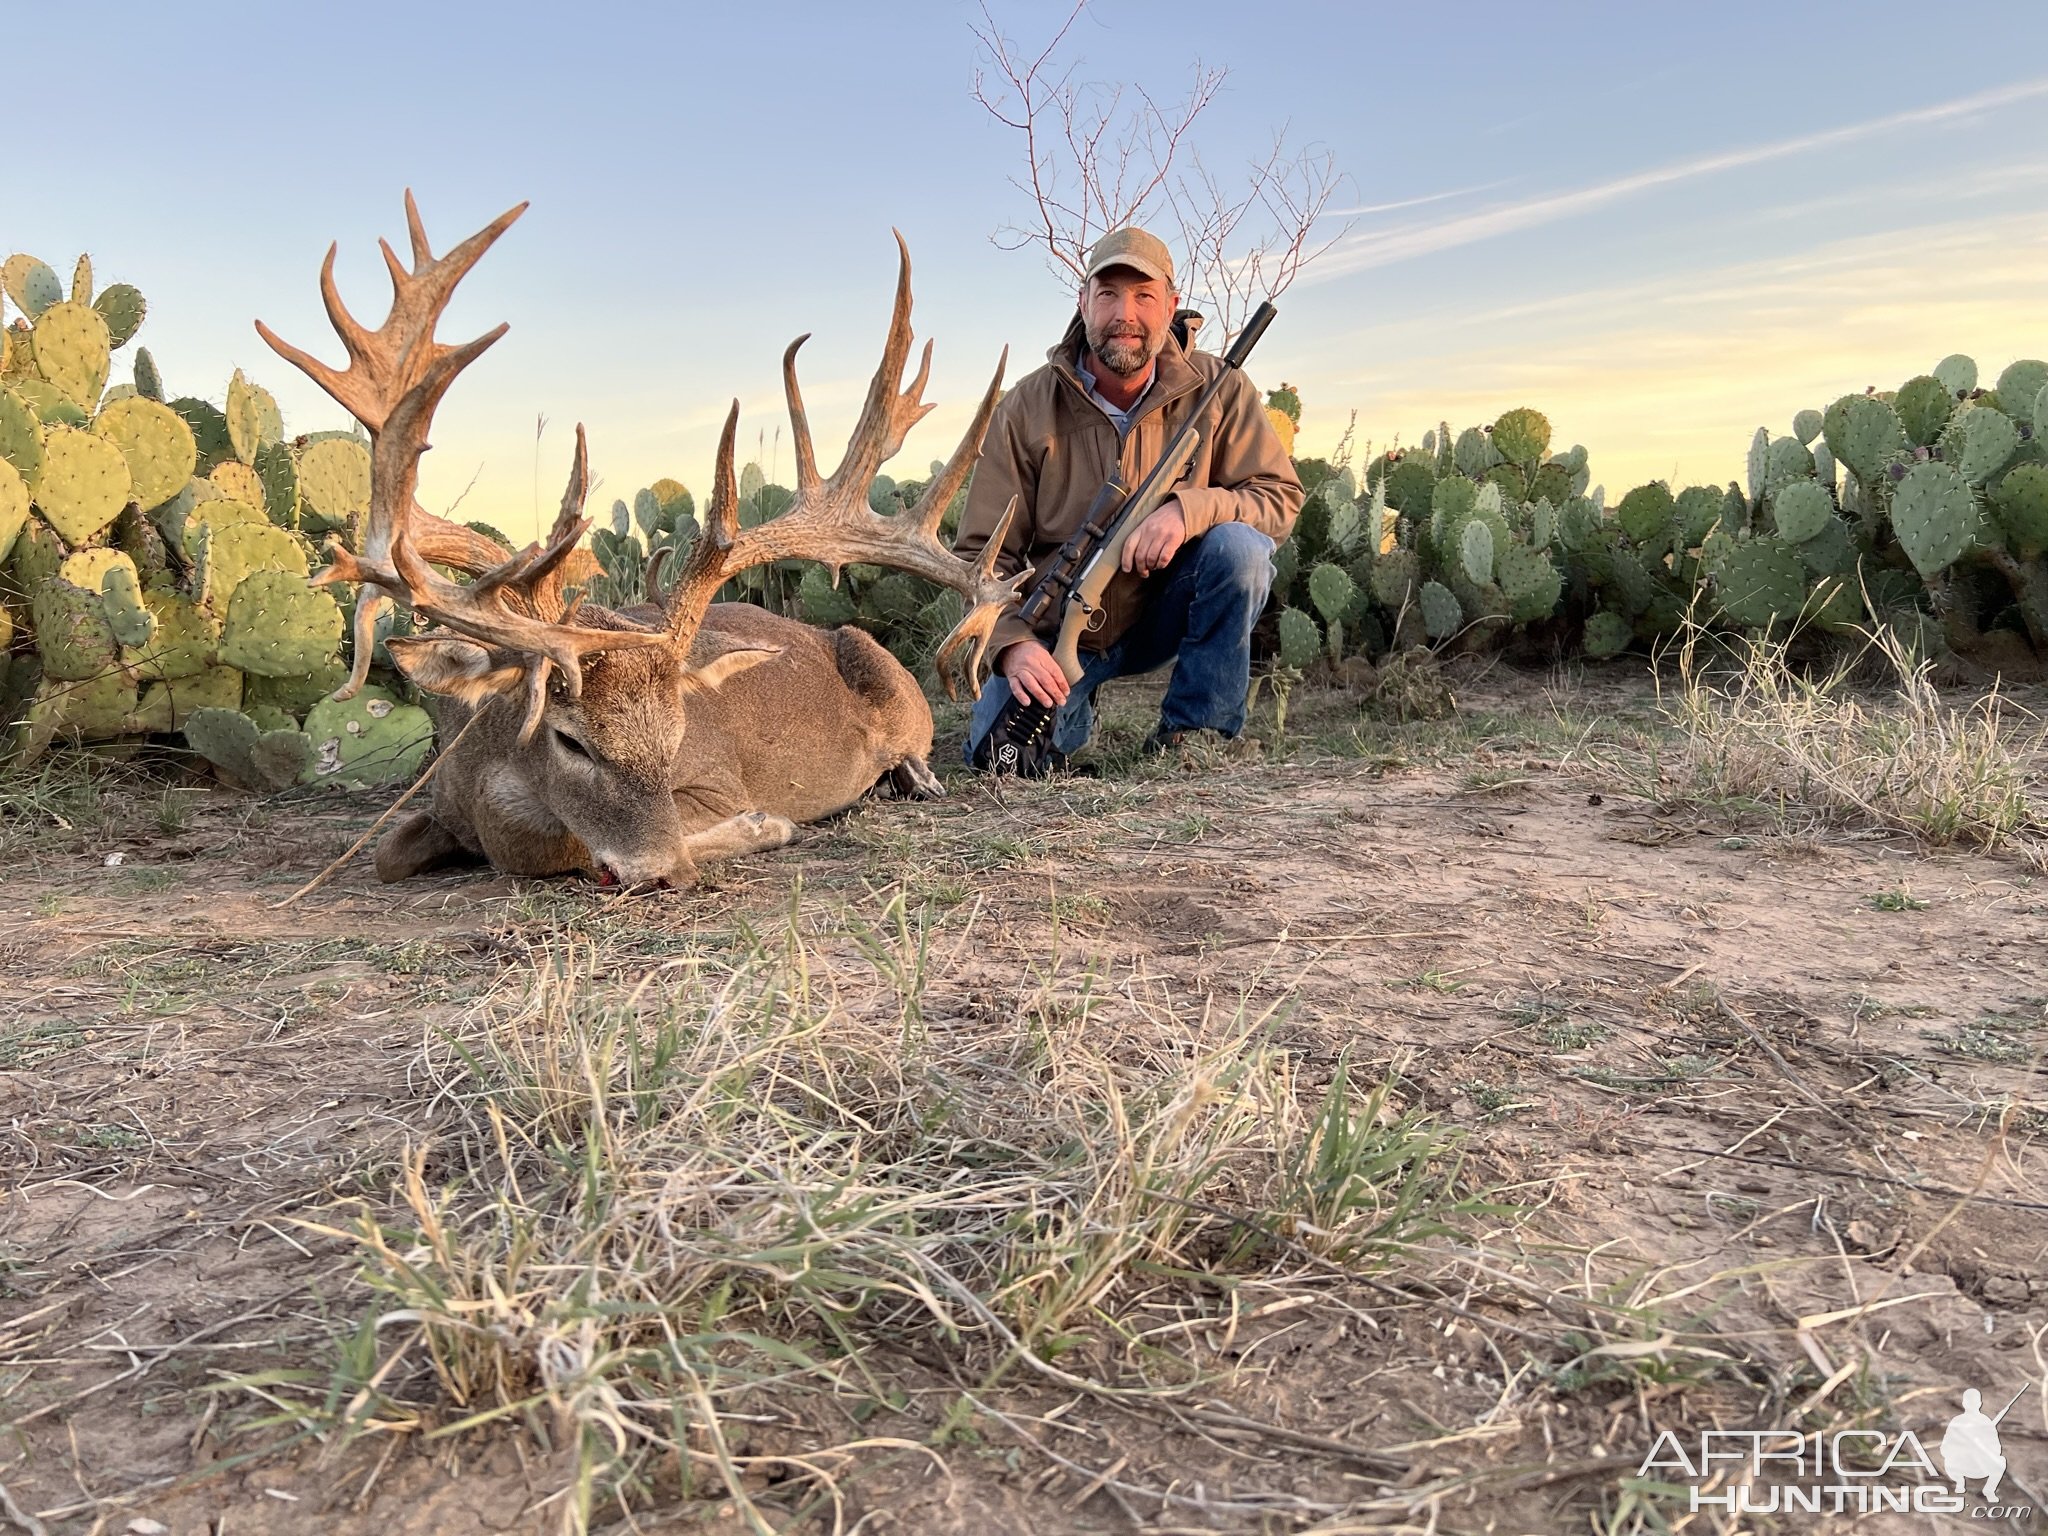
(571, 745)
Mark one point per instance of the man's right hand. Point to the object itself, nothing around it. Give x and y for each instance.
(1035, 678)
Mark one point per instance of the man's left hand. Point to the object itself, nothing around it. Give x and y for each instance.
(1157, 540)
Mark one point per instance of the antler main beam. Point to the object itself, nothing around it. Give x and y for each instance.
(396, 376)
(830, 519)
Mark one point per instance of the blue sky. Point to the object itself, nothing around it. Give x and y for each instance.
(1662, 225)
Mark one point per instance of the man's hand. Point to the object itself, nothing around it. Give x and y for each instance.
(1157, 540)
(1034, 676)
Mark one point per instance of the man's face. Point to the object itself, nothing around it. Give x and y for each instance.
(1126, 316)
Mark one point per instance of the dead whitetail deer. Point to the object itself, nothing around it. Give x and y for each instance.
(639, 744)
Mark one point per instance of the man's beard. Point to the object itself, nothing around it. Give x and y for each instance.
(1126, 355)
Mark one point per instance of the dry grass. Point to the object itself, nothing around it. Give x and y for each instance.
(659, 1195)
(1760, 729)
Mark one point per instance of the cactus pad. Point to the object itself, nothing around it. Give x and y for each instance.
(156, 443)
(1758, 464)
(1300, 641)
(2021, 505)
(73, 636)
(1475, 551)
(244, 752)
(1522, 436)
(334, 480)
(186, 641)
(21, 435)
(1979, 443)
(37, 554)
(1531, 584)
(121, 306)
(31, 284)
(1934, 515)
(293, 695)
(1864, 433)
(209, 430)
(83, 485)
(1646, 515)
(1787, 460)
(367, 740)
(93, 709)
(237, 550)
(87, 568)
(73, 352)
(51, 404)
(148, 382)
(1958, 374)
(2019, 386)
(13, 507)
(250, 414)
(120, 589)
(239, 482)
(1802, 509)
(1607, 634)
(215, 511)
(1760, 580)
(1831, 551)
(278, 626)
(1923, 405)
(1394, 576)
(1806, 426)
(1331, 589)
(1474, 455)
(279, 478)
(1442, 614)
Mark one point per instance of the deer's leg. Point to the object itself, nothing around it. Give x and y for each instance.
(417, 844)
(913, 779)
(748, 832)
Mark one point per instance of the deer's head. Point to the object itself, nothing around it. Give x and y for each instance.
(591, 706)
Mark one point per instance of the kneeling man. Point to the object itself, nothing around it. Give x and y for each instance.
(1196, 573)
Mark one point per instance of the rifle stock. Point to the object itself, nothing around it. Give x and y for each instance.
(1084, 603)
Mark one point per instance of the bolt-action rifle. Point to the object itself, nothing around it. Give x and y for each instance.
(1074, 580)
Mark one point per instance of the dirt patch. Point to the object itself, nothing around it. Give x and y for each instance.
(1769, 1099)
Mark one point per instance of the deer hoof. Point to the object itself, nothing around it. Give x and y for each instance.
(768, 831)
(913, 779)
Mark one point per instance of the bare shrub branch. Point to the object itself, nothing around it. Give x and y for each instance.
(1099, 156)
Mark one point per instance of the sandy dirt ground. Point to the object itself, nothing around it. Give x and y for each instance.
(1747, 1079)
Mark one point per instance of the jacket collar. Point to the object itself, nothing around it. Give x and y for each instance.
(1176, 376)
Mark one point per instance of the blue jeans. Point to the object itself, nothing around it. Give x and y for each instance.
(1200, 620)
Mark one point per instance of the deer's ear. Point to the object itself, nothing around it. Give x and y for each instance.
(454, 668)
(717, 670)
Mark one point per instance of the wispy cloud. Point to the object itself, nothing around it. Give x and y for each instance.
(1381, 248)
(1406, 202)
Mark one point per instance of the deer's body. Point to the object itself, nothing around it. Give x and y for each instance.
(638, 745)
(791, 739)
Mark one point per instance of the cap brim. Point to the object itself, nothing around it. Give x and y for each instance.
(1136, 264)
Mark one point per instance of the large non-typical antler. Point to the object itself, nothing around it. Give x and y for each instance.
(395, 377)
(830, 519)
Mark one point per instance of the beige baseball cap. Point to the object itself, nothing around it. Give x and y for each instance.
(1134, 248)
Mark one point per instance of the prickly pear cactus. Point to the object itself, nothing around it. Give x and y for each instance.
(367, 740)
(151, 557)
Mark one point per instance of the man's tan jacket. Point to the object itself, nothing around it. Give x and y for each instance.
(1052, 447)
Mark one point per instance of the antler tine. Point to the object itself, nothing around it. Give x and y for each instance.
(708, 565)
(395, 378)
(799, 423)
(886, 417)
(930, 510)
(830, 519)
